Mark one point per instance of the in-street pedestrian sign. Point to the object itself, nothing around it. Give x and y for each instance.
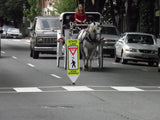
(73, 62)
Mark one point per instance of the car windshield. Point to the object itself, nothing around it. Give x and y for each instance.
(140, 39)
(109, 30)
(13, 30)
(47, 24)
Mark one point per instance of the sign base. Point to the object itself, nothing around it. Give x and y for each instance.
(73, 78)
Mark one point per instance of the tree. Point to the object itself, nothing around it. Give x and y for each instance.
(11, 11)
(33, 11)
(63, 6)
(146, 15)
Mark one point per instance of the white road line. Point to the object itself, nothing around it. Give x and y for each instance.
(14, 57)
(77, 88)
(2, 52)
(31, 65)
(126, 88)
(115, 63)
(27, 43)
(55, 76)
(17, 40)
(27, 89)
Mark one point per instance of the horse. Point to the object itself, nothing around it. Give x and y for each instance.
(89, 39)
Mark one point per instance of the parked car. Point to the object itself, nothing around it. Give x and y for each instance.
(44, 36)
(158, 43)
(13, 33)
(111, 35)
(158, 59)
(135, 46)
(4, 28)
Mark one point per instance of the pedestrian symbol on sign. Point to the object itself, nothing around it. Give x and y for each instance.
(73, 63)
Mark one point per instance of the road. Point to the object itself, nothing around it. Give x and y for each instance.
(38, 90)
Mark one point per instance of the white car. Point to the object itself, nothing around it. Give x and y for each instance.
(158, 42)
(111, 35)
(134, 46)
(13, 33)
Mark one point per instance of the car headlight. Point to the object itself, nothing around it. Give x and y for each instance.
(40, 40)
(131, 50)
(154, 52)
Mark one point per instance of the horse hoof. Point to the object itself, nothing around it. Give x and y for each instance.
(90, 69)
(84, 69)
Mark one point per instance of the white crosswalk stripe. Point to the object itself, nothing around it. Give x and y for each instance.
(27, 89)
(127, 88)
(77, 88)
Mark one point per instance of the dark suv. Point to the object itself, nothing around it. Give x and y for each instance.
(44, 36)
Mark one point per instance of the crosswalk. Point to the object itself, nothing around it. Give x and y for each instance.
(80, 89)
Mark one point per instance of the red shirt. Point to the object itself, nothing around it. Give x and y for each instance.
(80, 17)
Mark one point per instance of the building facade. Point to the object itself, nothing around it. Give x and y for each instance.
(46, 6)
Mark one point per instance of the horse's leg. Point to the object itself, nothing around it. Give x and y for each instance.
(83, 56)
(86, 53)
(91, 58)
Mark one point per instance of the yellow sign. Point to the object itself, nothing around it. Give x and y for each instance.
(73, 58)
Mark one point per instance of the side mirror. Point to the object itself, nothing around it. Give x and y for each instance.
(1, 31)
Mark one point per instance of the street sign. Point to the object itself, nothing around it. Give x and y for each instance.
(73, 61)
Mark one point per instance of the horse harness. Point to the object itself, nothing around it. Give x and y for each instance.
(88, 37)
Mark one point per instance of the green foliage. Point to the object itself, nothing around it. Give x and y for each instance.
(12, 10)
(61, 6)
(35, 10)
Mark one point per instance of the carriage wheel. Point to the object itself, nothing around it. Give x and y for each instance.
(65, 58)
(58, 54)
(100, 59)
(58, 61)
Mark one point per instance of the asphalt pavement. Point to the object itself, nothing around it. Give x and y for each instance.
(37, 90)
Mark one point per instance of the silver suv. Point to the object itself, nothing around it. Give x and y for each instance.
(111, 35)
(44, 36)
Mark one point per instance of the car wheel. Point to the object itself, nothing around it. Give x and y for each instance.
(123, 60)
(150, 63)
(157, 64)
(31, 53)
(112, 55)
(116, 59)
(35, 54)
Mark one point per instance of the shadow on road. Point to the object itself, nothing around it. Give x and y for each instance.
(47, 58)
(5, 57)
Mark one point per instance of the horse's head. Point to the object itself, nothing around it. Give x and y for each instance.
(95, 29)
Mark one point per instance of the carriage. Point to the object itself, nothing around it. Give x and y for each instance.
(70, 30)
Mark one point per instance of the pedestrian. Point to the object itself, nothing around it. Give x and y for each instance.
(80, 16)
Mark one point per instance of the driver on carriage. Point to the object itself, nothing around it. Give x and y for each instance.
(80, 16)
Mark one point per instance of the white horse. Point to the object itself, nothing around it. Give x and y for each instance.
(89, 39)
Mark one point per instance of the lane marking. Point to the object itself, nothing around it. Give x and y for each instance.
(17, 40)
(77, 88)
(31, 65)
(126, 88)
(115, 63)
(27, 43)
(27, 89)
(55, 76)
(14, 57)
(2, 52)
(56, 89)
